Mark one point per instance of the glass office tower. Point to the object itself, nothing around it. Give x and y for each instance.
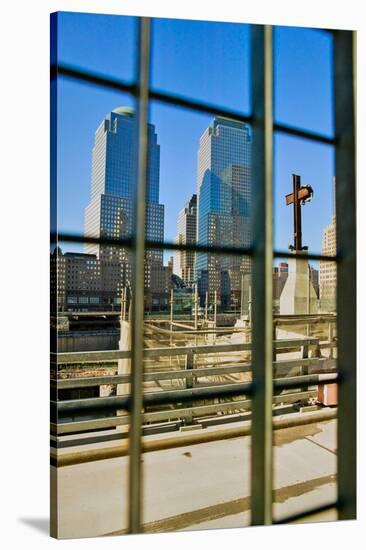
(110, 212)
(186, 234)
(224, 189)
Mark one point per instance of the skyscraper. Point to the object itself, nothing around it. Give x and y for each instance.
(186, 234)
(110, 212)
(328, 270)
(224, 190)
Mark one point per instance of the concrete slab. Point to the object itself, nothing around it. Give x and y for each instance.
(200, 486)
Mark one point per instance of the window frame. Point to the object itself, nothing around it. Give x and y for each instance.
(264, 126)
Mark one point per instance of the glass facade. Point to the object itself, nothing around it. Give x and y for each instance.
(224, 189)
(186, 234)
(111, 209)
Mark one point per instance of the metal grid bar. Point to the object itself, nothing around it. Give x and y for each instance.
(127, 242)
(156, 398)
(344, 99)
(166, 245)
(180, 396)
(53, 477)
(108, 356)
(77, 382)
(75, 73)
(137, 322)
(263, 128)
(65, 428)
(297, 132)
(89, 77)
(261, 448)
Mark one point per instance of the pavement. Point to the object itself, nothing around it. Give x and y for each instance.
(202, 486)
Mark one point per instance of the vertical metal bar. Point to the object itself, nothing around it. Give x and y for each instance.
(215, 314)
(189, 384)
(171, 322)
(171, 313)
(262, 101)
(137, 321)
(125, 303)
(195, 306)
(206, 307)
(344, 105)
(330, 338)
(242, 296)
(54, 283)
(250, 304)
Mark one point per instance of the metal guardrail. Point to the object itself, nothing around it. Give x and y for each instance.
(114, 355)
(178, 395)
(66, 409)
(195, 411)
(90, 381)
(116, 402)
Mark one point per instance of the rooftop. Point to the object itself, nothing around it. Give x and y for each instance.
(124, 110)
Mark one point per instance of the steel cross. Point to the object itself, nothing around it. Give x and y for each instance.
(298, 197)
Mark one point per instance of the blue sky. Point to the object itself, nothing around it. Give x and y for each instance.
(208, 61)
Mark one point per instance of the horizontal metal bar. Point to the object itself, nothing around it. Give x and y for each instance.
(114, 355)
(88, 77)
(200, 350)
(293, 397)
(195, 411)
(149, 376)
(155, 398)
(306, 380)
(187, 394)
(171, 414)
(295, 342)
(183, 440)
(97, 79)
(89, 356)
(90, 381)
(77, 426)
(165, 245)
(302, 362)
(334, 505)
(151, 321)
(311, 319)
(305, 134)
(77, 238)
(178, 100)
(104, 81)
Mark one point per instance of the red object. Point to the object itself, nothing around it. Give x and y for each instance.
(328, 394)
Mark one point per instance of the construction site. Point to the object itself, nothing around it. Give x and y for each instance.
(196, 423)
